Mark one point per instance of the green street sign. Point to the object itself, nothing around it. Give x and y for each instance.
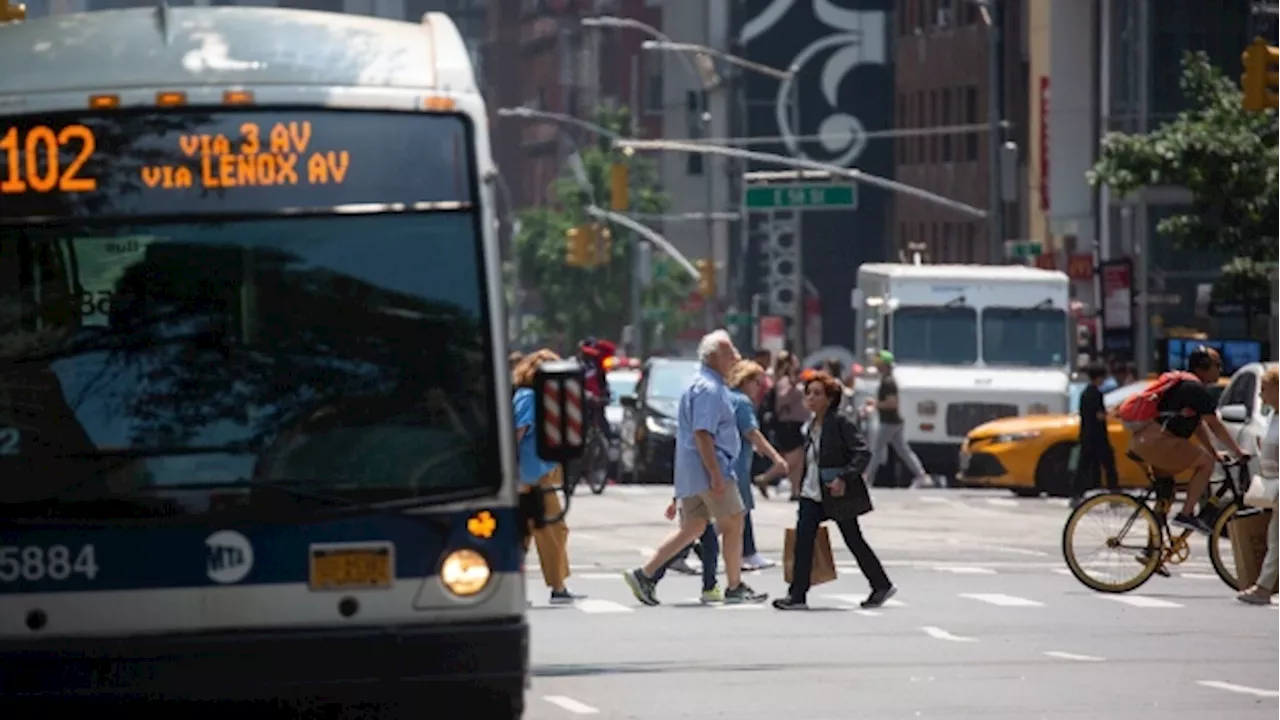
(1028, 249)
(802, 196)
(737, 319)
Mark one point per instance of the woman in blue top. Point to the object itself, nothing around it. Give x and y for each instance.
(552, 540)
(746, 381)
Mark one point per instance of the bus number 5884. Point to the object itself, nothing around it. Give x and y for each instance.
(32, 563)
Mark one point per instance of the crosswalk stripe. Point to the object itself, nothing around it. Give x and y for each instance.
(1002, 600)
(959, 570)
(594, 606)
(1141, 601)
(857, 600)
(1002, 502)
(739, 606)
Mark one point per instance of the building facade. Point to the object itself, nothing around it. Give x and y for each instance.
(941, 54)
(538, 55)
(1115, 66)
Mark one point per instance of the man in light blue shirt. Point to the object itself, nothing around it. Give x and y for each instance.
(707, 444)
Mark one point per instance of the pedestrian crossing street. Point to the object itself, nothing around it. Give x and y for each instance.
(607, 594)
(977, 498)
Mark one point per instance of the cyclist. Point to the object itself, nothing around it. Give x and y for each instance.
(1184, 408)
(592, 353)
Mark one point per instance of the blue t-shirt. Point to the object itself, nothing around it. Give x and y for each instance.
(745, 415)
(532, 467)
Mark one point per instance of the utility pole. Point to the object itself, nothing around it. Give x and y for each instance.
(995, 219)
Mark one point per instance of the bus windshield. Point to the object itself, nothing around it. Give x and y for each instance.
(1026, 337)
(261, 338)
(935, 335)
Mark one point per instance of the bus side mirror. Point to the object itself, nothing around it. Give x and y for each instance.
(558, 414)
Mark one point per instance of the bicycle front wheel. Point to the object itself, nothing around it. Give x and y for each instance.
(1112, 543)
(1221, 553)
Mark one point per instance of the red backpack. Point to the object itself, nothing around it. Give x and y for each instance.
(1142, 407)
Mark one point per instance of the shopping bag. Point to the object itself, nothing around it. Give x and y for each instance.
(824, 561)
(1249, 545)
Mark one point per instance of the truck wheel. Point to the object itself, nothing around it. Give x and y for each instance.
(1053, 475)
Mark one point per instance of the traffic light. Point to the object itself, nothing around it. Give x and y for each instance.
(601, 244)
(1259, 79)
(12, 13)
(577, 247)
(619, 187)
(706, 279)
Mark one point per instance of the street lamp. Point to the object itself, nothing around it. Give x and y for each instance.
(610, 21)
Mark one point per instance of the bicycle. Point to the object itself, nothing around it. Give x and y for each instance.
(593, 467)
(1152, 551)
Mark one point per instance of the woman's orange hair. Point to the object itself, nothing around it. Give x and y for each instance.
(830, 386)
(527, 369)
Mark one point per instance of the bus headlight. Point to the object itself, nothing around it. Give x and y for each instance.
(465, 572)
(927, 407)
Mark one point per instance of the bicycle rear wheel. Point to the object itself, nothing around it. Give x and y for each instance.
(1132, 543)
(596, 463)
(1221, 553)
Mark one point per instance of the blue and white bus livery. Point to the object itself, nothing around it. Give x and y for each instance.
(255, 429)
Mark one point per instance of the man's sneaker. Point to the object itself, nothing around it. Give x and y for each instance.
(683, 567)
(786, 603)
(642, 587)
(712, 596)
(1192, 523)
(743, 594)
(879, 597)
(757, 562)
(565, 597)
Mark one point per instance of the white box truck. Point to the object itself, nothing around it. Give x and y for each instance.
(971, 343)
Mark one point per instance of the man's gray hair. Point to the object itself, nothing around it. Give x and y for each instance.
(711, 342)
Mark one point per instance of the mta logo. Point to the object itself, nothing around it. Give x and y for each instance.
(228, 557)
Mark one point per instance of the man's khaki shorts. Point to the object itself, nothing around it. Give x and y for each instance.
(1167, 454)
(707, 505)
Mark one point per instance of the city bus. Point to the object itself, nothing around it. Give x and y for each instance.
(255, 422)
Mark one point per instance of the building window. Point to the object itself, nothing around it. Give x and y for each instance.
(946, 122)
(653, 84)
(969, 250)
(920, 124)
(971, 118)
(693, 111)
(948, 252)
(933, 123)
(899, 120)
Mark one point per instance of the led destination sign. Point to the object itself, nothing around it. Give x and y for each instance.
(197, 162)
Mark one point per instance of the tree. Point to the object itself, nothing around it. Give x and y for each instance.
(1227, 159)
(575, 302)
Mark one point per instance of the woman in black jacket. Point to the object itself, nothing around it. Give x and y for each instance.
(832, 489)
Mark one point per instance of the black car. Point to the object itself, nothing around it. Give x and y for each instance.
(649, 423)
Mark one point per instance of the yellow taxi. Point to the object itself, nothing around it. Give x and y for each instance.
(1033, 454)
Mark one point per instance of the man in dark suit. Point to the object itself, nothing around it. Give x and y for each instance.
(1096, 454)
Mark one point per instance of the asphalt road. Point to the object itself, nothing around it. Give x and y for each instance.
(987, 624)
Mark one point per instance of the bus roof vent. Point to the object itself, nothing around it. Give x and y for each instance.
(163, 22)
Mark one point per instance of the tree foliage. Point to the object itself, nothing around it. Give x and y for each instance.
(573, 302)
(1226, 158)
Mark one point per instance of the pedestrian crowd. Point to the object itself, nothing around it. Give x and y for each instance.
(745, 425)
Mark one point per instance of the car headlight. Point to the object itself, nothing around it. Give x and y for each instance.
(465, 572)
(1015, 437)
(660, 426)
(1037, 409)
(927, 407)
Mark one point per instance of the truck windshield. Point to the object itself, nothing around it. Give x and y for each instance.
(1024, 337)
(935, 335)
(346, 354)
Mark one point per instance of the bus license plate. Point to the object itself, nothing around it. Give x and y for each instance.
(352, 567)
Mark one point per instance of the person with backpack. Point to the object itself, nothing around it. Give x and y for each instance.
(1164, 417)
